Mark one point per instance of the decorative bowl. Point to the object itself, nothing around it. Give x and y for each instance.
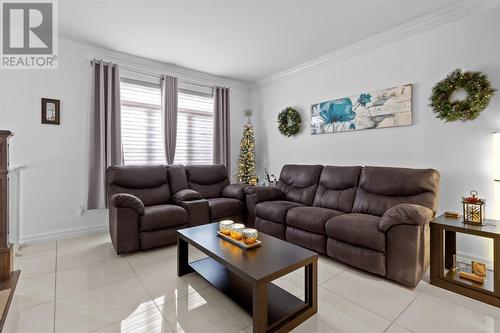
(236, 230)
(225, 227)
(249, 235)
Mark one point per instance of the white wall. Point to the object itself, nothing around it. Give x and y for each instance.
(460, 151)
(54, 182)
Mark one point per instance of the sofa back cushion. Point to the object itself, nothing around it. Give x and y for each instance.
(208, 180)
(299, 182)
(381, 188)
(147, 182)
(177, 178)
(337, 187)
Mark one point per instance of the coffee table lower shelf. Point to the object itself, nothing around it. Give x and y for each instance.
(281, 304)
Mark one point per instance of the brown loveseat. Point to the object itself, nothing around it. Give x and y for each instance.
(147, 204)
(373, 218)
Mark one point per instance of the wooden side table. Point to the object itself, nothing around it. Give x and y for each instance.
(443, 248)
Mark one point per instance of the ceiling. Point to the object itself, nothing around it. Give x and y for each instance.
(243, 40)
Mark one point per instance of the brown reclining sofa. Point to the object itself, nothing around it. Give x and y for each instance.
(373, 218)
(148, 204)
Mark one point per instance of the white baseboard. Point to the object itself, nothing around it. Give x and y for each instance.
(63, 234)
(468, 257)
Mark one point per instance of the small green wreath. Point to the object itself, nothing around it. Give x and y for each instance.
(289, 121)
(479, 92)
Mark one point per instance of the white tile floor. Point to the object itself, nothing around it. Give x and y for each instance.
(80, 285)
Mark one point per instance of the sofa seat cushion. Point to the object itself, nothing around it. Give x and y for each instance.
(275, 210)
(357, 229)
(309, 240)
(369, 260)
(157, 238)
(225, 207)
(162, 217)
(311, 219)
(271, 228)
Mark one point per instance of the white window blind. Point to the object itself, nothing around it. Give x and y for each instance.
(194, 128)
(142, 138)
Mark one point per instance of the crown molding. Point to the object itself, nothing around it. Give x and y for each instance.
(437, 18)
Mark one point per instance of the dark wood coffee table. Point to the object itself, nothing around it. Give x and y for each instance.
(246, 275)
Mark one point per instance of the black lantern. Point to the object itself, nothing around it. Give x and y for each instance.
(473, 209)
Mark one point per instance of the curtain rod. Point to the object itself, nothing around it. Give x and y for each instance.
(148, 73)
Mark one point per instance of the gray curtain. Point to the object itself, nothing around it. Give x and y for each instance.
(169, 91)
(105, 130)
(221, 127)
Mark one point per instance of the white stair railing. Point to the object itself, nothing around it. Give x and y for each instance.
(15, 208)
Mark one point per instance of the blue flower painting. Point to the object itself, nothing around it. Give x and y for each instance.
(337, 111)
(385, 108)
(364, 99)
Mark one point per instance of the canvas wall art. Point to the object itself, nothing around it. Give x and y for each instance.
(384, 108)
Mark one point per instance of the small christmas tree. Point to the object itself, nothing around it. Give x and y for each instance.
(246, 161)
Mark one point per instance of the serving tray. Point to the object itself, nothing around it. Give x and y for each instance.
(239, 243)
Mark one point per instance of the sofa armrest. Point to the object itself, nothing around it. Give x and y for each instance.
(198, 211)
(405, 214)
(407, 253)
(125, 211)
(256, 194)
(264, 193)
(125, 200)
(187, 195)
(235, 191)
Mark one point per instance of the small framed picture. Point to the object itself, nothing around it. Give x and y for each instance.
(50, 111)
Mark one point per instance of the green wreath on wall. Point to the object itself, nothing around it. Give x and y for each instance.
(289, 121)
(479, 92)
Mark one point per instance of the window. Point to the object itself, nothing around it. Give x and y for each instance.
(142, 138)
(194, 128)
(142, 130)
